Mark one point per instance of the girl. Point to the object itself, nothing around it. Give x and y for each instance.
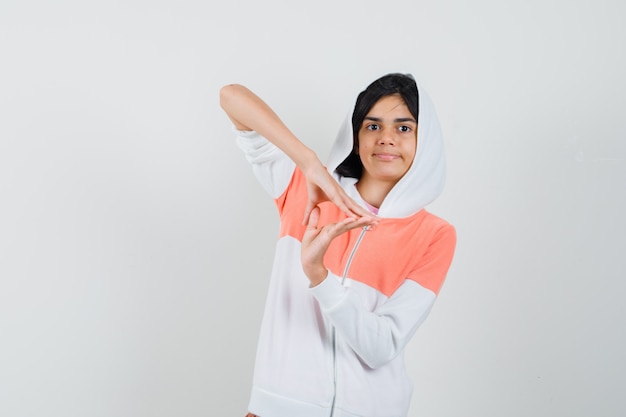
(359, 261)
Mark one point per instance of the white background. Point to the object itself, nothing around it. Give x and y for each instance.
(135, 245)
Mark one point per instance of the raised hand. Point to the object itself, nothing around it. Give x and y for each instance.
(323, 187)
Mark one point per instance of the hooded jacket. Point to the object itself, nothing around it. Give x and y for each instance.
(337, 349)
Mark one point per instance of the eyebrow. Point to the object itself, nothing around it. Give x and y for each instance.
(398, 120)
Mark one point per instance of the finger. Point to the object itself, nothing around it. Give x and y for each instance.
(361, 211)
(338, 196)
(336, 229)
(340, 202)
(355, 211)
(307, 212)
(348, 224)
(314, 218)
(351, 208)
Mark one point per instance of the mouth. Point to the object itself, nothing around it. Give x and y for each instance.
(385, 156)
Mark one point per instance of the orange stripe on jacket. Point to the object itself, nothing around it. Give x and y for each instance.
(419, 247)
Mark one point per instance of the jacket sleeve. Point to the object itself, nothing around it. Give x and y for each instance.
(271, 166)
(378, 336)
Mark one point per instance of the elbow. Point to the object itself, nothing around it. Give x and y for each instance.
(226, 92)
(377, 358)
(229, 92)
(234, 100)
(385, 347)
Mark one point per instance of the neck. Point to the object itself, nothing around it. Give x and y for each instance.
(373, 191)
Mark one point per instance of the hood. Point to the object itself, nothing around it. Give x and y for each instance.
(425, 179)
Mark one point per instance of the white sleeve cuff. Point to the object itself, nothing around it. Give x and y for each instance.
(329, 293)
(249, 141)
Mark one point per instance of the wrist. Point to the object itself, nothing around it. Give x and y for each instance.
(309, 162)
(316, 275)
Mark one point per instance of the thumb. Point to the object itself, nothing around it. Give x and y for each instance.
(313, 218)
(310, 205)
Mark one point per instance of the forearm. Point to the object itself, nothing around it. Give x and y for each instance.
(375, 336)
(248, 112)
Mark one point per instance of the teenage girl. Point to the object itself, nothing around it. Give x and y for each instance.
(359, 261)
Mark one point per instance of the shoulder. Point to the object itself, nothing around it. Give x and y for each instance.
(431, 268)
(440, 229)
(436, 222)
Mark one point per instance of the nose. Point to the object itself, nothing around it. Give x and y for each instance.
(387, 137)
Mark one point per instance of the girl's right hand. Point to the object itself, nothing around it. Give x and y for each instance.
(317, 239)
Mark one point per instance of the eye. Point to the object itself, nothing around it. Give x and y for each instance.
(405, 129)
(372, 127)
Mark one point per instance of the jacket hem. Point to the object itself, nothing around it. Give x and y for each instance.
(267, 404)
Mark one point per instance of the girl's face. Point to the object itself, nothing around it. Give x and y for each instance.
(387, 140)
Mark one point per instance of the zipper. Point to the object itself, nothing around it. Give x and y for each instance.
(333, 338)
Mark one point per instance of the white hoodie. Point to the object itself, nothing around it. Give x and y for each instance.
(337, 349)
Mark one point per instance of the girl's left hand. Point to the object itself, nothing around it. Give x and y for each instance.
(321, 187)
(316, 240)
